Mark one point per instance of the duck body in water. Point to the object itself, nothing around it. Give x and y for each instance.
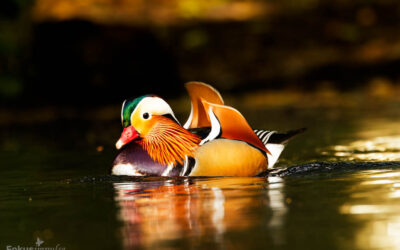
(215, 141)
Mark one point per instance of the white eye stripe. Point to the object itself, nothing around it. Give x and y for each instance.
(153, 106)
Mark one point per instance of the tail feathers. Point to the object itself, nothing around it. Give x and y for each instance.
(275, 142)
(264, 135)
(277, 138)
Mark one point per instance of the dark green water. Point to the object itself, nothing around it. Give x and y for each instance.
(55, 186)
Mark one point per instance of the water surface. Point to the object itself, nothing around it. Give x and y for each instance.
(56, 186)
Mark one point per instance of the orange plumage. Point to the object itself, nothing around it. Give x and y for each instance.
(167, 142)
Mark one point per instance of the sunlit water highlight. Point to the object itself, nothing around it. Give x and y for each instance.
(379, 142)
(373, 149)
(377, 206)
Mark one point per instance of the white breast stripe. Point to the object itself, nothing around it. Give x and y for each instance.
(189, 120)
(168, 170)
(215, 127)
(185, 166)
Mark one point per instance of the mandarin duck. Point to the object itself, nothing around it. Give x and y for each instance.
(216, 140)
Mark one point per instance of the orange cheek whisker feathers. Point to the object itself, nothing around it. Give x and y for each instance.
(168, 142)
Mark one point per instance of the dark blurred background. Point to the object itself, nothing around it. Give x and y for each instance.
(98, 52)
(332, 66)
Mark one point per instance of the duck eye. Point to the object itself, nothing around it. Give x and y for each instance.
(146, 116)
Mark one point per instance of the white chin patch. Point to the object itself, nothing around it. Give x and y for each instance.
(125, 169)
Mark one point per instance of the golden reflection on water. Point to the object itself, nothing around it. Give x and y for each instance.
(377, 206)
(376, 199)
(379, 141)
(373, 149)
(161, 210)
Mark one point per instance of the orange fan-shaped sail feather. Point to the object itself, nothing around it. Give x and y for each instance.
(234, 125)
(198, 91)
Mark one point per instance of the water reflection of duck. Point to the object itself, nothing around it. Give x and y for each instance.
(157, 210)
(215, 141)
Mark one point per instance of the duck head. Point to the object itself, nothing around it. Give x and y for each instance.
(149, 121)
(139, 115)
